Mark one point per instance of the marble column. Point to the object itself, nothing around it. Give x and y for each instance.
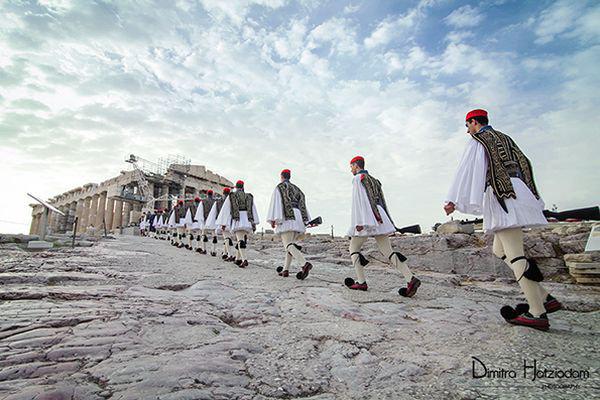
(71, 216)
(110, 210)
(53, 218)
(33, 229)
(126, 213)
(62, 224)
(79, 212)
(163, 192)
(85, 215)
(100, 214)
(93, 211)
(118, 214)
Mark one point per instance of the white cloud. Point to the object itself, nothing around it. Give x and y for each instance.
(561, 16)
(248, 97)
(393, 29)
(464, 17)
(338, 33)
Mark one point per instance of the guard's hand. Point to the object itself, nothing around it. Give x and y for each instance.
(359, 228)
(223, 227)
(273, 224)
(449, 208)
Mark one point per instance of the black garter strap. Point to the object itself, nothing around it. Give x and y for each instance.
(242, 244)
(295, 245)
(503, 257)
(204, 238)
(401, 256)
(214, 239)
(532, 271)
(230, 241)
(363, 261)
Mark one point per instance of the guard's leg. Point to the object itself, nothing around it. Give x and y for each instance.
(241, 244)
(512, 243)
(550, 303)
(396, 258)
(214, 244)
(358, 259)
(204, 241)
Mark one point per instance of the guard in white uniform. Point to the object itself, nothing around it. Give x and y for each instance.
(240, 215)
(288, 215)
(495, 179)
(225, 234)
(371, 218)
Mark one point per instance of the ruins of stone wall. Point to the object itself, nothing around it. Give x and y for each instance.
(97, 205)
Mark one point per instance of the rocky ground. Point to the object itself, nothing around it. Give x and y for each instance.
(135, 318)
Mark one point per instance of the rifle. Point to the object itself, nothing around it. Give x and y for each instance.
(410, 229)
(314, 222)
(589, 214)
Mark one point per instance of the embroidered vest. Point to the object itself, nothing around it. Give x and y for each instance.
(207, 204)
(505, 160)
(374, 194)
(220, 203)
(179, 213)
(292, 197)
(241, 201)
(193, 209)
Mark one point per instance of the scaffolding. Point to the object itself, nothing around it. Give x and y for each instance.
(165, 162)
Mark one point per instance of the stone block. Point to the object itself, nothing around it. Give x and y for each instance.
(39, 245)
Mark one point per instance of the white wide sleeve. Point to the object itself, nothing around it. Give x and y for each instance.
(172, 218)
(188, 217)
(200, 214)
(468, 186)
(362, 214)
(255, 214)
(225, 214)
(275, 213)
(212, 217)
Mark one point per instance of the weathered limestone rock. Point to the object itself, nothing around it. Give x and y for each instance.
(137, 318)
(455, 227)
(581, 258)
(17, 238)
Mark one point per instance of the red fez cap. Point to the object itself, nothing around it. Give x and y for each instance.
(286, 171)
(239, 183)
(476, 113)
(180, 201)
(196, 198)
(357, 158)
(226, 190)
(209, 191)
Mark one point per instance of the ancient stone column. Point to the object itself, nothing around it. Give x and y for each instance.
(53, 221)
(71, 216)
(85, 215)
(101, 211)
(164, 191)
(63, 219)
(118, 214)
(126, 213)
(34, 224)
(110, 208)
(93, 211)
(79, 212)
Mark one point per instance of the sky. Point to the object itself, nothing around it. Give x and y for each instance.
(249, 87)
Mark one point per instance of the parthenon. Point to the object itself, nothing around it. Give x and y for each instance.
(118, 202)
